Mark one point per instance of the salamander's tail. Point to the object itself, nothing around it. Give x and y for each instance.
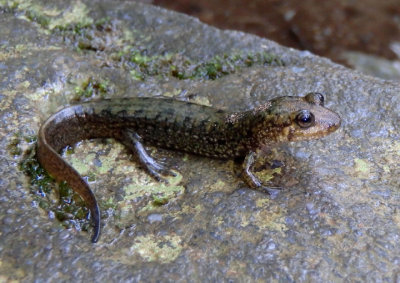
(95, 214)
(62, 171)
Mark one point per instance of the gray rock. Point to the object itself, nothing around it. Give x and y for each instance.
(337, 217)
(373, 65)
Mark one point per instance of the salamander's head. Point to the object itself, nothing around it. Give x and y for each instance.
(291, 118)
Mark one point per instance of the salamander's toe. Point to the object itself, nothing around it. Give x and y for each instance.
(272, 191)
(160, 172)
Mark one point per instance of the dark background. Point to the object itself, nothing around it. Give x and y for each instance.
(325, 28)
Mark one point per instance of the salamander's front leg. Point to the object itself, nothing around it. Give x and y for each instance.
(133, 141)
(251, 179)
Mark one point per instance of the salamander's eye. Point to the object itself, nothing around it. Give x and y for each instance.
(315, 98)
(305, 119)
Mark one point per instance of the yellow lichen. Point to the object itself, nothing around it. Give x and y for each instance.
(268, 174)
(362, 168)
(272, 219)
(82, 165)
(161, 249)
(136, 189)
(262, 202)
(78, 13)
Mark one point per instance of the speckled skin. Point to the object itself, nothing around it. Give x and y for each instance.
(181, 126)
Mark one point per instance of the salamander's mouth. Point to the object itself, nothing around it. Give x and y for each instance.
(333, 123)
(323, 125)
(333, 127)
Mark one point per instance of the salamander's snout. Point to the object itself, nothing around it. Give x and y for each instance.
(325, 119)
(330, 121)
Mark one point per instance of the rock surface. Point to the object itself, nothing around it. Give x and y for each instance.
(337, 217)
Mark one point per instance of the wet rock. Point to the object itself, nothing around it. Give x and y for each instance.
(337, 215)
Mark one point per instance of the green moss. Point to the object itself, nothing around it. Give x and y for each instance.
(136, 75)
(82, 28)
(69, 150)
(228, 64)
(91, 87)
(130, 52)
(267, 175)
(61, 200)
(91, 177)
(160, 201)
(48, 15)
(39, 179)
(142, 65)
(37, 17)
(108, 204)
(7, 6)
(14, 146)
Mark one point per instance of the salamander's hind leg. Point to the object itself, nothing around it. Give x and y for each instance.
(252, 180)
(133, 141)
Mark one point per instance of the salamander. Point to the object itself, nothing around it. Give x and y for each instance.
(179, 125)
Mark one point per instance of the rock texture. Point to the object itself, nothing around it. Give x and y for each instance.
(337, 217)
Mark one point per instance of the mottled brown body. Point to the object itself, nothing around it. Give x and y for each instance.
(181, 126)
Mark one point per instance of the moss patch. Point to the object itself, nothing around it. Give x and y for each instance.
(90, 88)
(49, 16)
(58, 200)
(182, 68)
